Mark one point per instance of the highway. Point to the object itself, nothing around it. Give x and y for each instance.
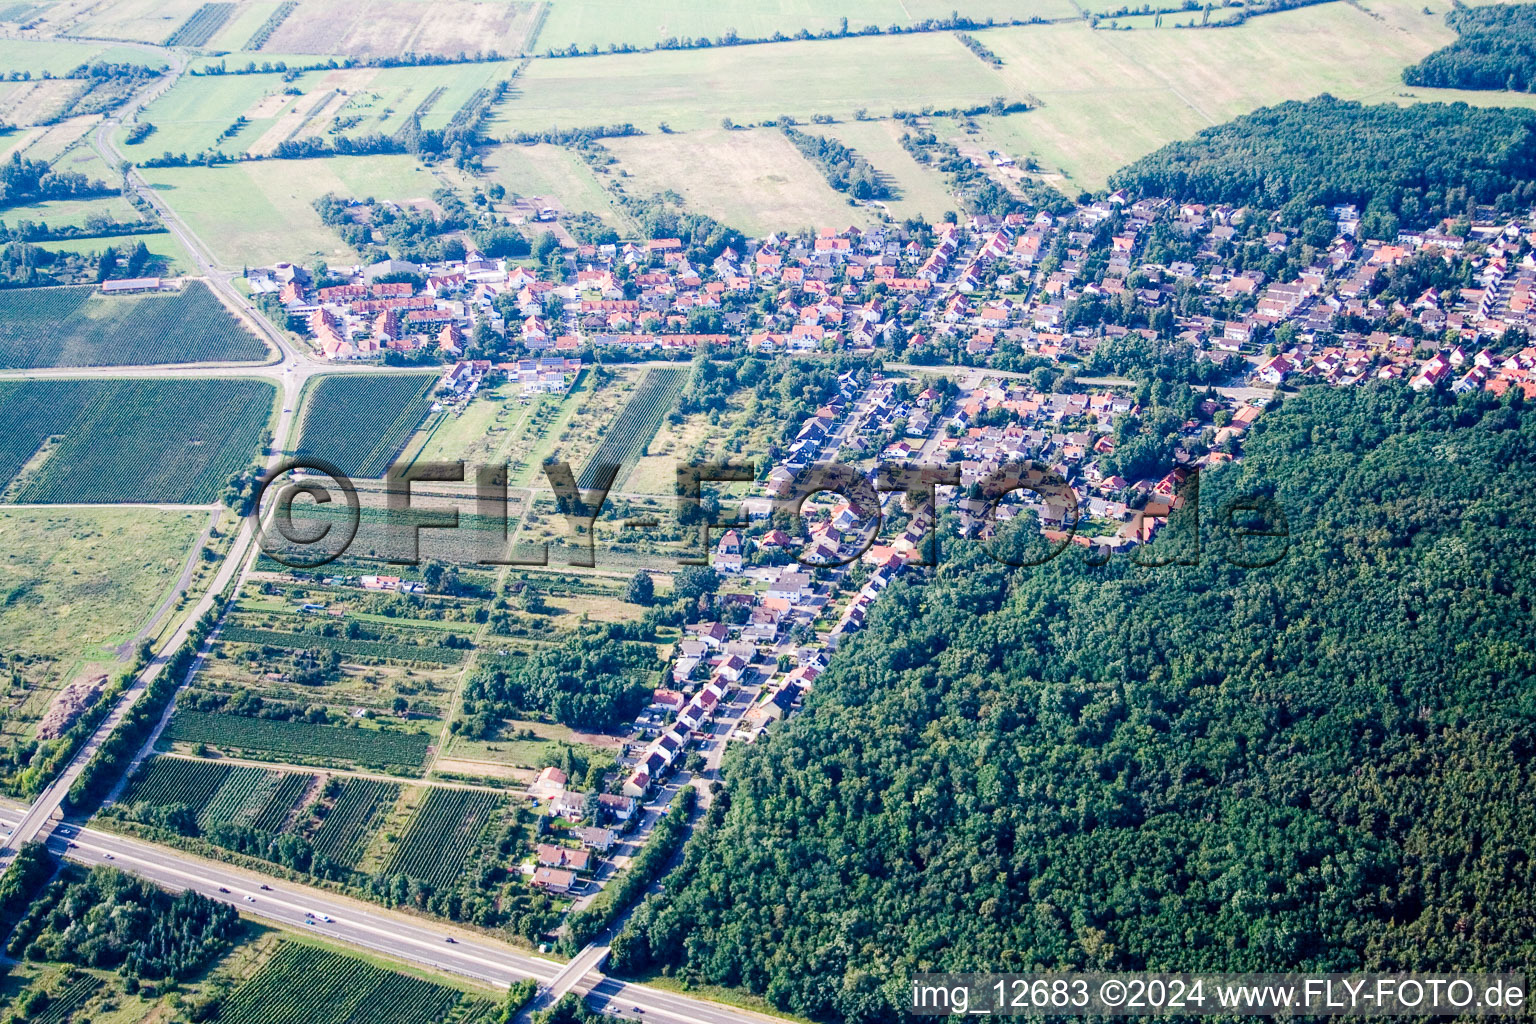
(353, 923)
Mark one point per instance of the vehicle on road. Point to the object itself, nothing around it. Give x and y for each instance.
(108, 856)
(222, 889)
(326, 918)
(250, 899)
(450, 938)
(265, 887)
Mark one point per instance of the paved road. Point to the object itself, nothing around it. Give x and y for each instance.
(353, 923)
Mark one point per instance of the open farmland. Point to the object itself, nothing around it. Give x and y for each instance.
(300, 740)
(142, 21)
(259, 212)
(348, 648)
(387, 28)
(359, 423)
(82, 327)
(218, 794)
(691, 89)
(173, 441)
(603, 23)
(446, 832)
(919, 191)
(344, 834)
(626, 437)
(58, 57)
(75, 583)
(1111, 97)
(303, 984)
(552, 173)
(203, 25)
(755, 181)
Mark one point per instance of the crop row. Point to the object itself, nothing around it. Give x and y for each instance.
(240, 797)
(300, 739)
(626, 437)
(307, 985)
(77, 989)
(378, 650)
(131, 440)
(220, 793)
(201, 26)
(345, 831)
(78, 327)
(445, 832)
(360, 422)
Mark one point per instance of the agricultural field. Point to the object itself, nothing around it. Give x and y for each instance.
(345, 832)
(1111, 97)
(164, 250)
(693, 89)
(625, 438)
(520, 750)
(82, 327)
(552, 173)
(203, 24)
(58, 57)
(201, 112)
(70, 212)
(301, 741)
(171, 441)
(498, 424)
(75, 584)
(919, 191)
(755, 181)
(361, 423)
(448, 829)
(443, 28)
(371, 650)
(612, 22)
(219, 794)
(141, 21)
(304, 984)
(258, 213)
(32, 104)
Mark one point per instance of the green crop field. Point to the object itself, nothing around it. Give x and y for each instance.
(345, 832)
(626, 437)
(691, 89)
(361, 423)
(202, 26)
(306, 985)
(73, 994)
(82, 327)
(219, 794)
(302, 740)
(371, 649)
(600, 23)
(443, 836)
(174, 441)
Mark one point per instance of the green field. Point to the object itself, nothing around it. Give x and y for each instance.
(599, 23)
(303, 984)
(162, 245)
(1111, 97)
(444, 835)
(369, 649)
(301, 740)
(74, 584)
(218, 794)
(57, 57)
(345, 833)
(755, 181)
(173, 441)
(691, 89)
(625, 438)
(360, 423)
(82, 327)
(257, 213)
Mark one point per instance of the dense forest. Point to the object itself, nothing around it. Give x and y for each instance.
(1323, 764)
(1403, 166)
(1495, 49)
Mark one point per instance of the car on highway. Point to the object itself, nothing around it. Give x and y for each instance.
(250, 899)
(450, 938)
(108, 856)
(327, 919)
(265, 887)
(222, 889)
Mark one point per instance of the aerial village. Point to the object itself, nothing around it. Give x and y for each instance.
(1016, 330)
